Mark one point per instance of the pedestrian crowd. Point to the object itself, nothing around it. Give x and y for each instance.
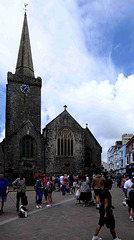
(95, 191)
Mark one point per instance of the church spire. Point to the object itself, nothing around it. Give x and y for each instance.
(24, 66)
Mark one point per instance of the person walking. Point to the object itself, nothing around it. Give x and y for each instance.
(124, 179)
(71, 179)
(119, 179)
(61, 180)
(65, 183)
(98, 185)
(106, 213)
(85, 191)
(131, 198)
(4, 187)
(20, 185)
(127, 187)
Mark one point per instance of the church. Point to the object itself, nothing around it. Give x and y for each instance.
(62, 146)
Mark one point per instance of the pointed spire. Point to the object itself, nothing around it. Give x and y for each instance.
(24, 66)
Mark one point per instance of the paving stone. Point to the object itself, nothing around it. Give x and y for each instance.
(63, 221)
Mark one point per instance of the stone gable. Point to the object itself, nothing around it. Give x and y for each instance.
(82, 139)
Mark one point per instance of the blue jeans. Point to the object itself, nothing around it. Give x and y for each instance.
(64, 190)
(40, 195)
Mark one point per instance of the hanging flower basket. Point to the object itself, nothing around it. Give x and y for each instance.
(67, 164)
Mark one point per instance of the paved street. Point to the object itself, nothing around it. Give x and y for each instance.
(63, 221)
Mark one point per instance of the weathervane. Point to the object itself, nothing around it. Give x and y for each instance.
(25, 5)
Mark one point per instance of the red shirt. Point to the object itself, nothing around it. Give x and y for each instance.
(45, 182)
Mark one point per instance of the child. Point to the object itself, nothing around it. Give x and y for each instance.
(131, 198)
(77, 194)
(49, 188)
(74, 185)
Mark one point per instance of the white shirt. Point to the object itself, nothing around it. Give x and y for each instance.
(128, 184)
(61, 179)
(77, 194)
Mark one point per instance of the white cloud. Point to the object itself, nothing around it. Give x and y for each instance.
(108, 115)
(65, 40)
(2, 135)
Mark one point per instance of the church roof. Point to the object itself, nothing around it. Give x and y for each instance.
(20, 127)
(64, 112)
(24, 66)
(86, 130)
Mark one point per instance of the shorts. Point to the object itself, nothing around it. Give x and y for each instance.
(3, 198)
(97, 192)
(131, 204)
(49, 191)
(128, 202)
(110, 221)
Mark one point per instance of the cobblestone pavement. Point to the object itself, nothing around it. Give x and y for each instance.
(64, 220)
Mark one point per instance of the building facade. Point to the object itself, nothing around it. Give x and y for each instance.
(121, 159)
(130, 155)
(120, 156)
(64, 145)
(69, 147)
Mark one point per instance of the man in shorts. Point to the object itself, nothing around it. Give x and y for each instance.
(4, 185)
(127, 187)
(98, 185)
(106, 213)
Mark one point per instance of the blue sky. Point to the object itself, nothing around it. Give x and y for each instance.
(84, 52)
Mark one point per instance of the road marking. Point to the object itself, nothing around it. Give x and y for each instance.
(35, 211)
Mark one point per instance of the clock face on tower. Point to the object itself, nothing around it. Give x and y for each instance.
(25, 88)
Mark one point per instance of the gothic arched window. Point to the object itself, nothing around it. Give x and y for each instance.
(27, 148)
(65, 143)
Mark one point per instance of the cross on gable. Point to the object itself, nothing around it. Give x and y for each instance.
(65, 107)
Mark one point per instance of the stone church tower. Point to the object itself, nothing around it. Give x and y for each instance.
(64, 145)
(23, 143)
(23, 93)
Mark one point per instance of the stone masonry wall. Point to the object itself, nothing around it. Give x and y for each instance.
(19, 106)
(55, 164)
(13, 163)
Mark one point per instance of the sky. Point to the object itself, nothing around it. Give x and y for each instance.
(84, 52)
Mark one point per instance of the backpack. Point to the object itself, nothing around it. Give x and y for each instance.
(52, 187)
